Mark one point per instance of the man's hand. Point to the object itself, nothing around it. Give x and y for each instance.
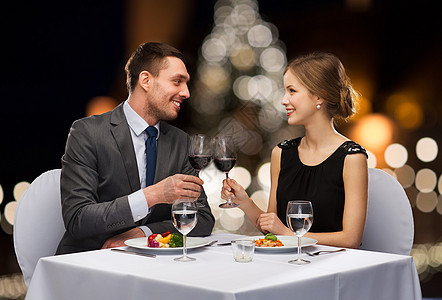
(178, 186)
(118, 240)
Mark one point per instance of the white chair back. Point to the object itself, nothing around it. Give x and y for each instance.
(38, 224)
(389, 226)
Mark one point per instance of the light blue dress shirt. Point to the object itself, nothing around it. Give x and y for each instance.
(137, 200)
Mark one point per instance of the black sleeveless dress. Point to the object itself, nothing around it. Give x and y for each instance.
(322, 185)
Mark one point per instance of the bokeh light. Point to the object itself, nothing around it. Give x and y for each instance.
(243, 58)
(1, 194)
(412, 195)
(261, 199)
(426, 149)
(426, 202)
(100, 105)
(273, 60)
(214, 50)
(372, 161)
(439, 185)
(374, 132)
(264, 176)
(242, 176)
(405, 176)
(396, 155)
(19, 189)
(425, 180)
(232, 219)
(439, 205)
(10, 211)
(406, 110)
(259, 36)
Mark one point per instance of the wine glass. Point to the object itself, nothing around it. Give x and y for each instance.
(225, 159)
(184, 219)
(299, 219)
(200, 154)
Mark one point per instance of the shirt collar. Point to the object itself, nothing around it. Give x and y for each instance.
(136, 122)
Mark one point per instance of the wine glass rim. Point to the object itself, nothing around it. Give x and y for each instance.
(300, 201)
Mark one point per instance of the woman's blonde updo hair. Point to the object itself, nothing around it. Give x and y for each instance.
(324, 76)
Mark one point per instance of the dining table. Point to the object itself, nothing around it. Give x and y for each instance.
(214, 275)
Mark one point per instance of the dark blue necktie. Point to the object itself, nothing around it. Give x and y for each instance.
(151, 154)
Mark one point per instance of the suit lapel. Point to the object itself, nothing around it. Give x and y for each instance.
(121, 133)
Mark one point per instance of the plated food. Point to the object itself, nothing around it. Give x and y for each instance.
(269, 240)
(165, 240)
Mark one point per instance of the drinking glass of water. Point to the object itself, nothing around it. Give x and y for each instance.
(299, 220)
(184, 219)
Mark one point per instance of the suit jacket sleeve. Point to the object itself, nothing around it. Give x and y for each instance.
(93, 203)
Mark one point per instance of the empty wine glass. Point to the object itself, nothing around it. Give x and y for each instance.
(299, 219)
(184, 219)
(200, 154)
(225, 159)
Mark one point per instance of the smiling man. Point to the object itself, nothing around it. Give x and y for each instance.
(122, 170)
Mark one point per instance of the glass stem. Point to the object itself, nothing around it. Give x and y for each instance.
(228, 199)
(184, 246)
(299, 248)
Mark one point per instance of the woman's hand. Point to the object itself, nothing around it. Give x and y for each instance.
(233, 190)
(269, 222)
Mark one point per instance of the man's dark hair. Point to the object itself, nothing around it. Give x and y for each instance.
(148, 57)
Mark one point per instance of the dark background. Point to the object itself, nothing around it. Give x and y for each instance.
(56, 56)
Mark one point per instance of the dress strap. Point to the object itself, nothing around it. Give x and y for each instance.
(290, 143)
(350, 147)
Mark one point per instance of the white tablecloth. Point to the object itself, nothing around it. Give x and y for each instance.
(105, 274)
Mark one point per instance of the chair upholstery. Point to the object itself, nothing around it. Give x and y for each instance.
(38, 224)
(389, 226)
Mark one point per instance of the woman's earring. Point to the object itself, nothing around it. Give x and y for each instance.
(318, 106)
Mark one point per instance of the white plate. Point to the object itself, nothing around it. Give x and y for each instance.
(290, 243)
(192, 242)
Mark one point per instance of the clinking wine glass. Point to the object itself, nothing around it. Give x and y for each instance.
(184, 219)
(200, 154)
(225, 159)
(299, 220)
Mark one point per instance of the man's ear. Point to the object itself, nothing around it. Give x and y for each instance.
(144, 80)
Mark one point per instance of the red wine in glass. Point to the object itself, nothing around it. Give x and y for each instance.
(199, 162)
(225, 159)
(200, 154)
(224, 164)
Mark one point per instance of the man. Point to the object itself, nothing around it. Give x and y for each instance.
(106, 188)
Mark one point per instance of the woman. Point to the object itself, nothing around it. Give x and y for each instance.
(323, 167)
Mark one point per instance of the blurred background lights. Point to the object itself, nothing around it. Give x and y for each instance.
(240, 88)
(242, 176)
(259, 36)
(426, 202)
(439, 205)
(439, 185)
(232, 219)
(273, 60)
(19, 189)
(100, 105)
(10, 211)
(1, 194)
(426, 149)
(374, 132)
(261, 199)
(406, 110)
(215, 77)
(264, 175)
(371, 159)
(214, 50)
(396, 155)
(260, 87)
(243, 58)
(425, 180)
(405, 176)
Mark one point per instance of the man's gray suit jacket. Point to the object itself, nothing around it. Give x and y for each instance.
(99, 171)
